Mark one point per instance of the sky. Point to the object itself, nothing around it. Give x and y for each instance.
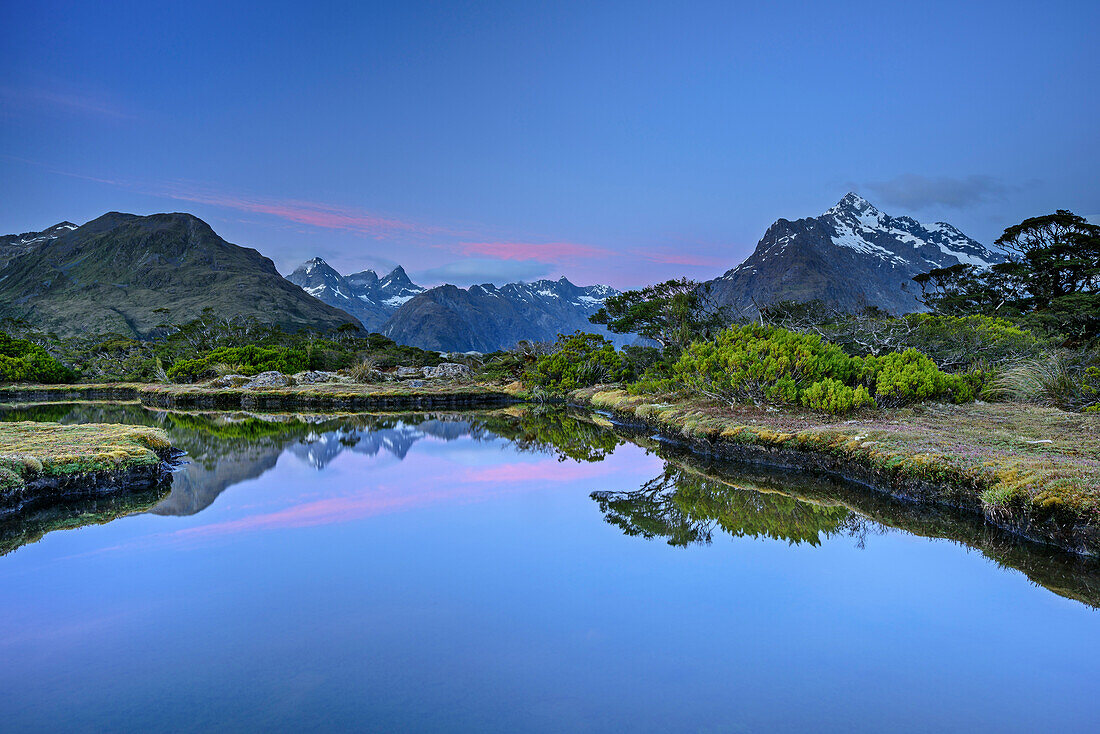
(620, 143)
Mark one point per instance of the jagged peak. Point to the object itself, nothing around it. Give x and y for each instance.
(853, 202)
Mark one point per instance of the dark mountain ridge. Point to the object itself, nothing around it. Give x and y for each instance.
(114, 273)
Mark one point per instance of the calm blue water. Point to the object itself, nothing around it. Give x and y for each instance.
(436, 577)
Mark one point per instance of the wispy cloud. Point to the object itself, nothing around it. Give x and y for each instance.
(482, 270)
(545, 252)
(48, 100)
(667, 257)
(312, 213)
(920, 192)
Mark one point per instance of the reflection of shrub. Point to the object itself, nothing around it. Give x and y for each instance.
(25, 361)
(1064, 379)
(764, 364)
(579, 360)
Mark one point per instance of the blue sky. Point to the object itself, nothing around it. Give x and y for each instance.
(609, 142)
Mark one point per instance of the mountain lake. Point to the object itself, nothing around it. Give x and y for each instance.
(522, 569)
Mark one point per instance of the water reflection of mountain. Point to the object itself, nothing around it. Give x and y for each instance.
(691, 502)
(318, 449)
(227, 448)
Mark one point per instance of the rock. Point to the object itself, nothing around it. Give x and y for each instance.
(229, 381)
(415, 383)
(408, 372)
(315, 377)
(269, 379)
(447, 370)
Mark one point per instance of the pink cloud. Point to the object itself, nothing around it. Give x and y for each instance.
(314, 214)
(679, 258)
(545, 252)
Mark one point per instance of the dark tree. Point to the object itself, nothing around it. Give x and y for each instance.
(673, 314)
(1051, 279)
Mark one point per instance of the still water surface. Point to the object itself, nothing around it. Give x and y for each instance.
(512, 572)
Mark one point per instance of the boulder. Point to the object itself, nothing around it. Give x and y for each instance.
(415, 383)
(403, 372)
(229, 381)
(447, 371)
(315, 377)
(268, 379)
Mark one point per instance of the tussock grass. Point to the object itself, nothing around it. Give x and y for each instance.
(29, 450)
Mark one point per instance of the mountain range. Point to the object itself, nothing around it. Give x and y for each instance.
(850, 257)
(481, 318)
(485, 318)
(118, 272)
(364, 295)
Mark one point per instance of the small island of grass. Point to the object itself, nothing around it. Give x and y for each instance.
(39, 460)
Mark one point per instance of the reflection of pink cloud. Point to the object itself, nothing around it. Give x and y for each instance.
(319, 512)
(314, 214)
(546, 252)
(552, 471)
(381, 500)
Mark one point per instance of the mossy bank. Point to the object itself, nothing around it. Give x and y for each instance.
(328, 396)
(1033, 471)
(41, 462)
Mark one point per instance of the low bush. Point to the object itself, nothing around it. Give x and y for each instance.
(579, 360)
(767, 364)
(248, 360)
(25, 361)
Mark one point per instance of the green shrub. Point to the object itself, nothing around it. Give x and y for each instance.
(25, 361)
(763, 364)
(833, 396)
(579, 360)
(910, 376)
(247, 360)
(767, 364)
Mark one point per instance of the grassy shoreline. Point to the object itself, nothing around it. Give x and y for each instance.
(1032, 471)
(329, 396)
(48, 460)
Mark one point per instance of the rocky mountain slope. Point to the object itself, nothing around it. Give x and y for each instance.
(364, 295)
(850, 257)
(114, 273)
(14, 245)
(485, 318)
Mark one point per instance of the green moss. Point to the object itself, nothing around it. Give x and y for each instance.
(31, 449)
